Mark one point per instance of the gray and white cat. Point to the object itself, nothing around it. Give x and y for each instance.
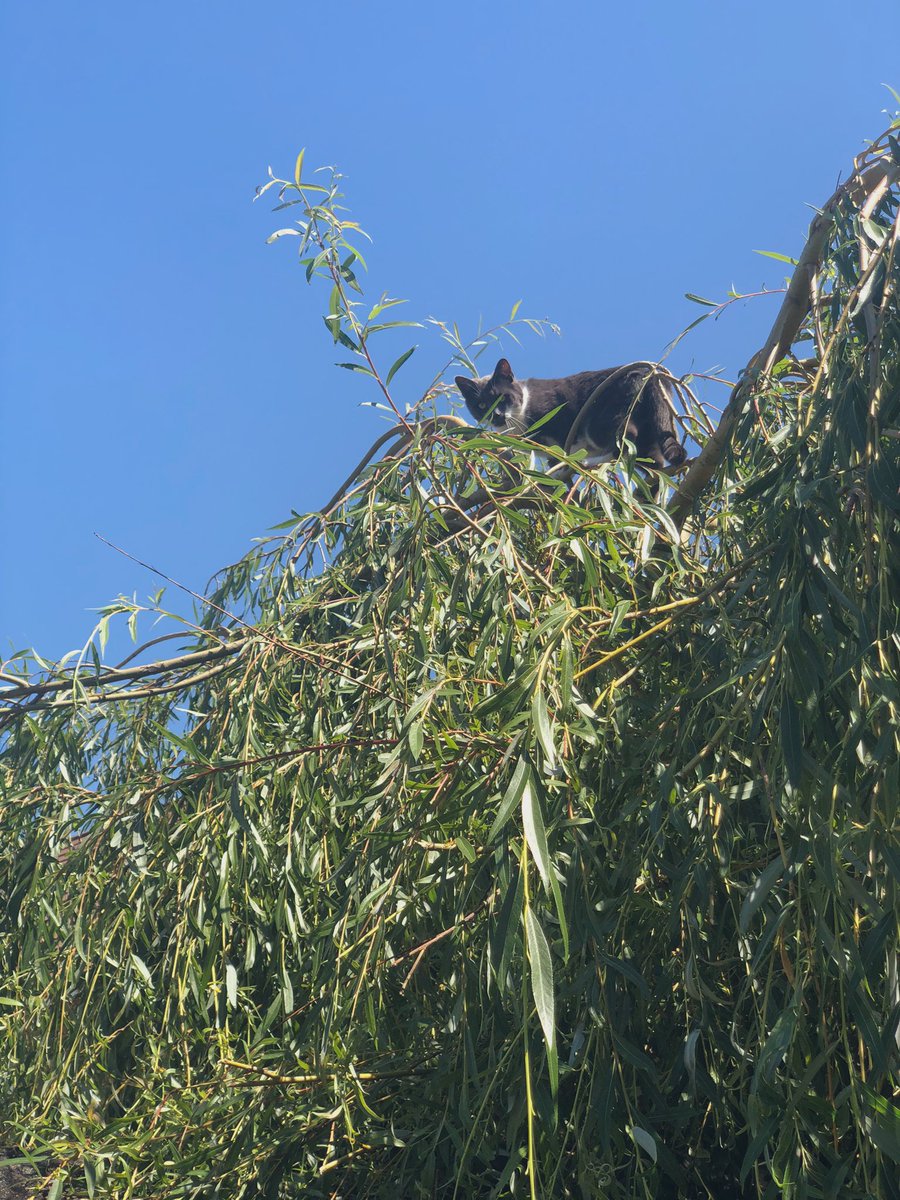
(635, 402)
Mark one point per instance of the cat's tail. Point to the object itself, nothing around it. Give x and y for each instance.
(675, 453)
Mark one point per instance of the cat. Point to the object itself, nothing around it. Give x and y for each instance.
(635, 401)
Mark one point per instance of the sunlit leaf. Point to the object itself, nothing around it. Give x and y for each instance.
(541, 976)
(645, 1140)
(535, 833)
(399, 363)
(778, 257)
(700, 300)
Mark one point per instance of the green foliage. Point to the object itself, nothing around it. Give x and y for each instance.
(486, 837)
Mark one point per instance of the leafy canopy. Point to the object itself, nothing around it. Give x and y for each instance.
(485, 836)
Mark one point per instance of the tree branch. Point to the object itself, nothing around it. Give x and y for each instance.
(796, 304)
(103, 678)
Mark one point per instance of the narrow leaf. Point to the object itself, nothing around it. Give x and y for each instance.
(645, 1140)
(361, 367)
(416, 736)
(512, 797)
(399, 363)
(535, 833)
(142, 969)
(790, 738)
(760, 888)
(541, 969)
(700, 300)
(778, 257)
(466, 849)
(541, 721)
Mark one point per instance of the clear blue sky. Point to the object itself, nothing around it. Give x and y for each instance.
(166, 376)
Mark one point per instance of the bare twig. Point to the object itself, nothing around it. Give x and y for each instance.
(419, 952)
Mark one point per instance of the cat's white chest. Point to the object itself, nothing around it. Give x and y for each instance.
(516, 413)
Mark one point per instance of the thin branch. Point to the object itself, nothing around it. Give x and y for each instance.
(420, 951)
(267, 1076)
(119, 676)
(404, 435)
(114, 697)
(163, 637)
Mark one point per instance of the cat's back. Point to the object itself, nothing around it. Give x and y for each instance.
(575, 390)
(582, 381)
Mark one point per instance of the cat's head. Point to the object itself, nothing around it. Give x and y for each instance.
(492, 397)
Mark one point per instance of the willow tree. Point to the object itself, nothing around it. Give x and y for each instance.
(485, 835)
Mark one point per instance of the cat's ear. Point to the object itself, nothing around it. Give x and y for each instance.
(502, 372)
(469, 388)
